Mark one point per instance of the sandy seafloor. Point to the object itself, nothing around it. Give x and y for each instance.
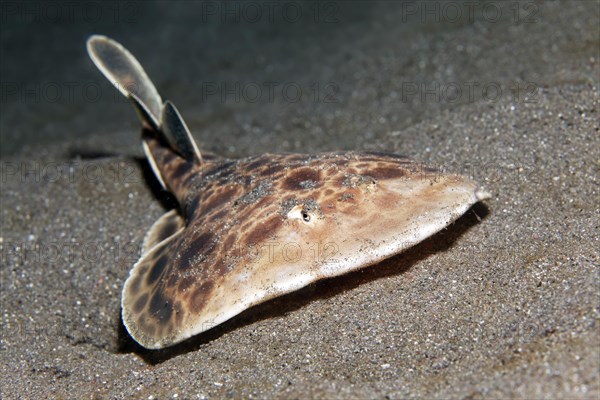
(504, 303)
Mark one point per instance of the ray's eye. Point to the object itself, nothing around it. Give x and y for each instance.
(305, 216)
(300, 213)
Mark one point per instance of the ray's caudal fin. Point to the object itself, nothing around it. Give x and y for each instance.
(165, 134)
(252, 229)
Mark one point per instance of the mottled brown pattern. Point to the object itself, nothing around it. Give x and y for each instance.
(185, 283)
(242, 203)
(259, 233)
(194, 249)
(298, 179)
(200, 295)
(140, 303)
(387, 172)
(217, 201)
(157, 269)
(233, 206)
(237, 238)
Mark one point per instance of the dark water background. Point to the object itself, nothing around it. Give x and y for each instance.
(298, 75)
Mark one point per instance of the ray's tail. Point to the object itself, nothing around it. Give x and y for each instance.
(168, 143)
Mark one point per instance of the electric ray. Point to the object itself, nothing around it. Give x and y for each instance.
(251, 229)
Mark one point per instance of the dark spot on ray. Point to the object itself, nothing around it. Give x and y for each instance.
(172, 281)
(256, 164)
(264, 231)
(219, 168)
(219, 215)
(157, 269)
(331, 172)
(272, 170)
(166, 230)
(296, 179)
(185, 283)
(168, 156)
(159, 307)
(265, 201)
(196, 251)
(200, 296)
(253, 211)
(181, 169)
(382, 173)
(218, 199)
(192, 181)
(221, 268)
(223, 181)
(140, 303)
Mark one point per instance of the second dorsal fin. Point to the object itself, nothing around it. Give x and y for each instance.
(177, 133)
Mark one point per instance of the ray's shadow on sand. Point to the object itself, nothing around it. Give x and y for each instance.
(322, 289)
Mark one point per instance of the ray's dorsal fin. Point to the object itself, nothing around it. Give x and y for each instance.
(177, 133)
(124, 71)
